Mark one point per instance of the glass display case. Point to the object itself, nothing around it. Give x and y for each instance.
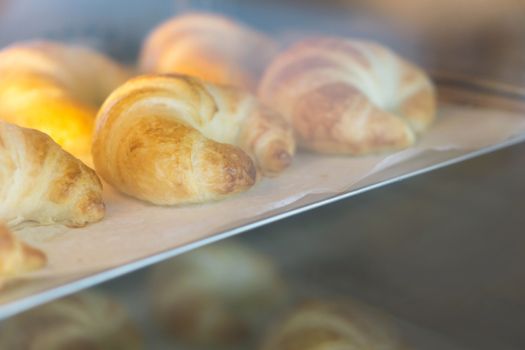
(419, 248)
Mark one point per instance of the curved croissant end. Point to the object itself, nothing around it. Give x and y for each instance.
(57, 89)
(16, 257)
(349, 96)
(41, 182)
(208, 46)
(176, 139)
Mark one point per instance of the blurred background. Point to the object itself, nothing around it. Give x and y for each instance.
(469, 35)
(474, 37)
(439, 257)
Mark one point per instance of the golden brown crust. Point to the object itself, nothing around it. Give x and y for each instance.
(16, 257)
(211, 47)
(40, 182)
(269, 138)
(345, 324)
(348, 96)
(176, 139)
(56, 88)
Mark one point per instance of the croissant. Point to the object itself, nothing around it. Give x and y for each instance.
(41, 182)
(57, 89)
(210, 47)
(217, 297)
(16, 257)
(177, 139)
(349, 96)
(88, 321)
(347, 325)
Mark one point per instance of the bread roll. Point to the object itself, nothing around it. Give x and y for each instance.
(87, 321)
(219, 296)
(349, 96)
(344, 325)
(40, 182)
(56, 88)
(210, 47)
(16, 257)
(176, 139)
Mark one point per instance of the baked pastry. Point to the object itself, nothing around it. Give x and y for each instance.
(349, 96)
(56, 88)
(41, 182)
(219, 296)
(347, 325)
(16, 257)
(88, 321)
(177, 139)
(211, 47)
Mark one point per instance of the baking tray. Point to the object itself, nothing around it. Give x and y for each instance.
(39, 289)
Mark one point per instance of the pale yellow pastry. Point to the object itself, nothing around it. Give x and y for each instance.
(87, 321)
(40, 182)
(349, 96)
(171, 139)
(208, 46)
(56, 88)
(217, 297)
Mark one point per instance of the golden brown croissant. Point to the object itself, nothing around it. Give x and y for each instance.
(177, 139)
(57, 89)
(88, 321)
(347, 325)
(210, 47)
(16, 257)
(41, 182)
(218, 296)
(349, 96)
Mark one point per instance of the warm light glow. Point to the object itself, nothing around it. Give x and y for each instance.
(36, 102)
(204, 66)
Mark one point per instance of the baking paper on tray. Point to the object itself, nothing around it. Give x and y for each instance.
(134, 230)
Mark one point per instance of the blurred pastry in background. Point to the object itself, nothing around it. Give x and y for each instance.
(220, 296)
(42, 183)
(16, 257)
(348, 325)
(208, 46)
(349, 96)
(56, 88)
(88, 321)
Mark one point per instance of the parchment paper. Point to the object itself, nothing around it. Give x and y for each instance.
(133, 230)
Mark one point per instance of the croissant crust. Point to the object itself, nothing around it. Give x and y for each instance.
(41, 182)
(171, 139)
(211, 47)
(349, 96)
